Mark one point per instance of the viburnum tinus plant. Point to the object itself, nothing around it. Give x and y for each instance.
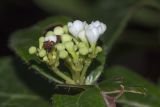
(71, 56)
(74, 45)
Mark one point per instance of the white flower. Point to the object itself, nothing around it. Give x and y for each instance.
(77, 29)
(51, 38)
(94, 30)
(84, 31)
(92, 34)
(101, 26)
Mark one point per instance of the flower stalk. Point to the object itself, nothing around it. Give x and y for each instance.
(63, 76)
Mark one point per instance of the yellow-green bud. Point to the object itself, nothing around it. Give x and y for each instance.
(81, 45)
(54, 56)
(69, 45)
(66, 37)
(83, 51)
(50, 33)
(41, 41)
(98, 49)
(32, 50)
(45, 59)
(58, 30)
(65, 28)
(60, 47)
(63, 54)
(42, 53)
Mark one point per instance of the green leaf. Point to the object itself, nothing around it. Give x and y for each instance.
(88, 98)
(21, 40)
(13, 92)
(131, 79)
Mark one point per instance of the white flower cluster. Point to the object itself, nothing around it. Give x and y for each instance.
(84, 31)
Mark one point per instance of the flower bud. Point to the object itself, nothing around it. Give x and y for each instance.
(81, 45)
(63, 54)
(66, 37)
(83, 51)
(65, 29)
(60, 47)
(45, 59)
(42, 53)
(41, 41)
(50, 33)
(98, 49)
(69, 45)
(54, 57)
(58, 30)
(32, 50)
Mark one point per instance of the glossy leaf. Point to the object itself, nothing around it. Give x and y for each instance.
(95, 74)
(88, 98)
(13, 92)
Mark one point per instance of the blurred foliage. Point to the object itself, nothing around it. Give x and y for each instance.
(116, 14)
(13, 91)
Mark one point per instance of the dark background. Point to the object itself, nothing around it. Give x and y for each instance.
(18, 14)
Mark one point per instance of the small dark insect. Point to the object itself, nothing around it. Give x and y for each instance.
(48, 45)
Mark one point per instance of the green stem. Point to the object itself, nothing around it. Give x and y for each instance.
(63, 76)
(84, 71)
(70, 66)
(77, 76)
